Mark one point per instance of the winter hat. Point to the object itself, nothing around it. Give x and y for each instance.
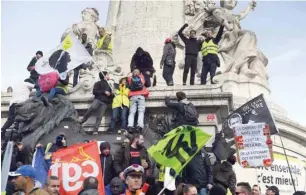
(104, 145)
(217, 190)
(102, 75)
(168, 40)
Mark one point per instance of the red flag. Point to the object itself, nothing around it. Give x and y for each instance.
(74, 164)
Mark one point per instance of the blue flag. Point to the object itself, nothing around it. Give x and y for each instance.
(40, 165)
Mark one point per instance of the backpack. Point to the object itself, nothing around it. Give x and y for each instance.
(47, 81)
(191, 114)
(136, 83)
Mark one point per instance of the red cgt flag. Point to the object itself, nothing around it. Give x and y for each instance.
(74, 164)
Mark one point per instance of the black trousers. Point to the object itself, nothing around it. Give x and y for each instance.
(100, 108)
(168, 74)
(190, 63)
(208, 67)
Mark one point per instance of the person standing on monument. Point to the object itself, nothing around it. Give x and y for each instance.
(167, 62)
(210, 54)
(142, 61)
(105, 41)
(192, 48)
(103, 97)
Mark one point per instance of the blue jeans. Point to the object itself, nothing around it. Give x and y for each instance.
(137, 102)
(52, 93)
(123, 117)
(203, 191)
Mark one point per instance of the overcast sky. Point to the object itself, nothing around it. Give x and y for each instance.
(280, 28)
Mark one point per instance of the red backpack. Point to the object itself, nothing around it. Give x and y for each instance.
(47, 81)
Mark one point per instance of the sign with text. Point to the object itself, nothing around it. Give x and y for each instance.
(254, 111)
(253, 145)
(74, 164)
(179, 146)
(278, 174)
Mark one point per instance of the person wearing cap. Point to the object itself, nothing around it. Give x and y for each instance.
(210, 54)
(224, 175)
(272, 190)
(133, 176)
(120, 106)
(243, 188)
(116, 187)
(24, 181)
(134, 153)
(107, 163)
(192, 48)
(103, 97)
(167, 62)
(31, 67)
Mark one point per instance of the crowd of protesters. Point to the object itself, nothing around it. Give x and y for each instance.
(127, 169)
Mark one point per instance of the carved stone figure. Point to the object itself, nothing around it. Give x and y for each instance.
(90, 17)
(238, 50)
(42, 124)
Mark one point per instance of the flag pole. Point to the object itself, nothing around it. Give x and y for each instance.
(279, 134)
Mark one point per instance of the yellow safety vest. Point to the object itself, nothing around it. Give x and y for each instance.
(161, 174)
(209, 48)
(100, 43)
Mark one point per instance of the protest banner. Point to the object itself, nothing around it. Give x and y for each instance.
(254, 111)
(253, 145)
(71, 45)
(74, 164)
(178, 147)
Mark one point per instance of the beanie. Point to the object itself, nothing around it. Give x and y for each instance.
(104, 145)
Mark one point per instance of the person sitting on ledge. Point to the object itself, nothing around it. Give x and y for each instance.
(120, 106)
(61, 88)
(186, 113)
(103, 97)
(105, 41)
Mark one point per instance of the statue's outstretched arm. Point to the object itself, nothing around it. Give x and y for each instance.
(246, 11)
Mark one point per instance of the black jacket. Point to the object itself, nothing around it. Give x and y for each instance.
(107, 166)
(142, 61)
(122, 158)
(192, 45)
(33, 74)
(225, 176)
(179, 107)
(99, 90)
(199, 171)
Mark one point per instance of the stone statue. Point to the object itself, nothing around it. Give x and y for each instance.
(90, 17)
(238, 50)
(42, 124)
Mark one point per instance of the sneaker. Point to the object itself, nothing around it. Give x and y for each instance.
(110, 131)
(130, 130)
(184, 84)
(138, 130)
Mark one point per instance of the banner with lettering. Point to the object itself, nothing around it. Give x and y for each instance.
(74, 164)
(178, 147)
(253, 145)
(254, 111)
(278, 174)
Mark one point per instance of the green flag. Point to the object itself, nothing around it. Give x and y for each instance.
(178, 147)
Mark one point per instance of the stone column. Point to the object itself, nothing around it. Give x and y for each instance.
(144, 24)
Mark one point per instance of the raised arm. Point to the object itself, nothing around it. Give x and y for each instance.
(180, 33)
(219, 35)
(246, 11)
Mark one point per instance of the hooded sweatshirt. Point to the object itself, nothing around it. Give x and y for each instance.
(142, 61)
(224, 175)
(100, 88)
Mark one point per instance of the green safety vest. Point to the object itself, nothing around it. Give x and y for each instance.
(100, 43)
(209, 48)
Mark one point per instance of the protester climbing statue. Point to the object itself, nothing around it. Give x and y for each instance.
(102, 59)
(238, 52)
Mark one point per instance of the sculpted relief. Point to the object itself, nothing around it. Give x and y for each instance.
(238, 50)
